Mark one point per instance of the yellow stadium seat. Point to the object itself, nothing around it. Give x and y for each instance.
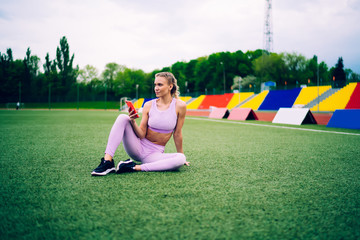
(196, 103)
(138, 104)
(336, 101)
(308, 94)
(235, 100)
(256, 101)
(185, 99)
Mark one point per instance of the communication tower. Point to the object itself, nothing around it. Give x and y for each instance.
(268, 32)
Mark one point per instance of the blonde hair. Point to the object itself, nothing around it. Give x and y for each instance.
(171, 80)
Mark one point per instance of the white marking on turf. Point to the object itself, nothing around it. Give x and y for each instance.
(273, 126)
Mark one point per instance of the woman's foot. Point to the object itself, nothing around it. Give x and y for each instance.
(126, 166)
(104, 168)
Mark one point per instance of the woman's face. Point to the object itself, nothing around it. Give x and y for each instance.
(162, 88)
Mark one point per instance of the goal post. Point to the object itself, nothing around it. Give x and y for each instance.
(122, 103)
(13, 105)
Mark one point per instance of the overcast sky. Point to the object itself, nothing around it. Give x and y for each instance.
(150, 34)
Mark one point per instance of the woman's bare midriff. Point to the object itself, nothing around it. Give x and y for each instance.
(158, 138)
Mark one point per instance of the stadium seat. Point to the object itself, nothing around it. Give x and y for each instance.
(308, 94)
(280, 99)
(138, 104)
(354, 101)
(185, 99)
(338, 100)
(194, 105)
(256, 101)
(236, 99)
(220, 101)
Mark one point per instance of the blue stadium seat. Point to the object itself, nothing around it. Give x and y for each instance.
(280, 99)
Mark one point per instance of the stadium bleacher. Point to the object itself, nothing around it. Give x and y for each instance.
(196, 103)
(331, 99)
(276, 99)
(338, 100)
(238, 98)
(354, 101)
(220, 101)
(185, 99)
(308, 94)
(138, 104)
(256, 101)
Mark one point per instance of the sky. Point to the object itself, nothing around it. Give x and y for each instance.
(152, 34)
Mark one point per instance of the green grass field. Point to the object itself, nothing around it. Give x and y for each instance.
(244, 182)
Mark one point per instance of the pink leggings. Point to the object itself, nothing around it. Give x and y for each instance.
(151, 155)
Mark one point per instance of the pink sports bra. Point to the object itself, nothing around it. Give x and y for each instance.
(162, 121)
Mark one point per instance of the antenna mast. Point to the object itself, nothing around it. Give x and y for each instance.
(268, 33)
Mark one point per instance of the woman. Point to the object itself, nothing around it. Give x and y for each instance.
(162, 117)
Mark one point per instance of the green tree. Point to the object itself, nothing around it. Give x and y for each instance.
(30, 81)
(11, 75)
(202, 73)
(129, 81)
(67, 73)
(338, 74)
(110, 72)
(296, 68)
(190, 75)
(270, 67)
(53, 82)
(178, 69)
(87, 74)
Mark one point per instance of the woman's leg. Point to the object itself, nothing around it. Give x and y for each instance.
(163, 162)
(122, 131)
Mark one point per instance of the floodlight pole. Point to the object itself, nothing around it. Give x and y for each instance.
(239, 89)
(223, 74)
(77, 96)
(49, 98)
(318, 84)
(137, 88)
(105, 94)
(20, 92)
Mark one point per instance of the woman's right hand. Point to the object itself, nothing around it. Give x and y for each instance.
(132, 114)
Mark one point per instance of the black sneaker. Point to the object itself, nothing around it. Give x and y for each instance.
(104, 168)
(125, 166)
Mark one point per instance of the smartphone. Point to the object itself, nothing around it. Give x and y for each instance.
(132, 108)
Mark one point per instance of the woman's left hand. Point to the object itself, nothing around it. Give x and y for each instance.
(187, 163)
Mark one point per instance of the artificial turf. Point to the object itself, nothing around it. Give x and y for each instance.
(244, 182)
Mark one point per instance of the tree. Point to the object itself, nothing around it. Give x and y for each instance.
(110, 72)
(178, 69)
(354, 77)
(30, 81)
(11, 74)
(202, 73)
(246, 82)
(127, 80)
(271, 67)
(296, 66)
(338, 74)
(64, 63)
(87, 74)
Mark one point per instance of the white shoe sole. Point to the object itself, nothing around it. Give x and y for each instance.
(118, 166)
(103, 173)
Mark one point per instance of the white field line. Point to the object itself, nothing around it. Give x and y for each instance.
(273, 126)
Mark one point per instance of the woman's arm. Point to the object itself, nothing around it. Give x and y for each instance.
(178, 138)
(140, 131)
